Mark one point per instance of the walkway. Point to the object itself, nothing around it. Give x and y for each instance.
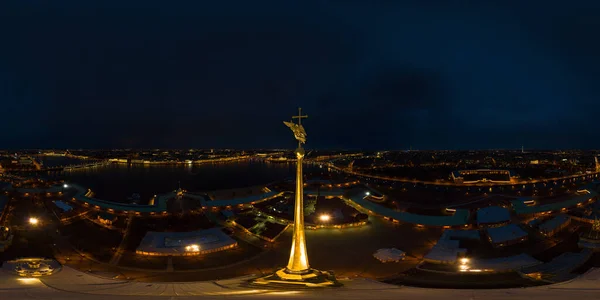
(119, 253)
(72, 284)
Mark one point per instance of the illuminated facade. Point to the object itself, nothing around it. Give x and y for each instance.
(482, 175)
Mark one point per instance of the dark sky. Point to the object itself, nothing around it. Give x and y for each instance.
(225, 74)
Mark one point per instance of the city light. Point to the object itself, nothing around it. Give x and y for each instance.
(192, 248)
(28, 280)
(324, 218)
(65, 185)
(33, 221)
(368, 193)
(463, 264)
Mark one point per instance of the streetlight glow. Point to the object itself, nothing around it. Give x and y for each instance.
(368, 193)
(324, 218)
(192, 248)
(33, 221)
(464, 264)
(65, 185)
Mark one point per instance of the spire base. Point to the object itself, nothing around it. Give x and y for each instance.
(309, 279)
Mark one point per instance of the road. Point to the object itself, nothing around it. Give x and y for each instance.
(119, 252)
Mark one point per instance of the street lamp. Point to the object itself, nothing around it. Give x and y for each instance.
(368, 193)
(33, 221)
(324, 218)
(464, 267)
(192, 248)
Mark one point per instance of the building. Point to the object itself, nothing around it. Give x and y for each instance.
(554, 225)
(185, 243)
(447, 250)
(531, 207)
(493, 216)
(482, 175)
(591, 239)
(357, 198)
(506, 235)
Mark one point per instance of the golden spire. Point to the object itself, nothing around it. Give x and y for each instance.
(298, 262)
(298, 270)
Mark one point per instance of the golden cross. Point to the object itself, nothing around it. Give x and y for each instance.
(300, 116)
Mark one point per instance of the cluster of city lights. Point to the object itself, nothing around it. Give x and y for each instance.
(192, 248)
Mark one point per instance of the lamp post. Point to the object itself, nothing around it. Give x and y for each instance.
(64, 186)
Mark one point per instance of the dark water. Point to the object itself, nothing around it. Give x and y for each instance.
(56, 161)
(118, 182)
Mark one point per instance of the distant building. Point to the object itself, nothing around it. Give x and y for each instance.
(482, 175)
(25, 161)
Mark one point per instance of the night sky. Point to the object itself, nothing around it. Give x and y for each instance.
(225, 74)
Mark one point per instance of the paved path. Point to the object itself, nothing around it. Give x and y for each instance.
(72, 284)
(119, 253)
(170, 264)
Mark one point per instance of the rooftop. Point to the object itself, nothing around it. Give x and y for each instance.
(521, 208)
(460, 217)
(492, 215)
(510, 232)
(554, 223)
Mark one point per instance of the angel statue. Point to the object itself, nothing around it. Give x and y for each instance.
(298, 130)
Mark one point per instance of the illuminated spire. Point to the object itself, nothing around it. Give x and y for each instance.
(298, 262)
